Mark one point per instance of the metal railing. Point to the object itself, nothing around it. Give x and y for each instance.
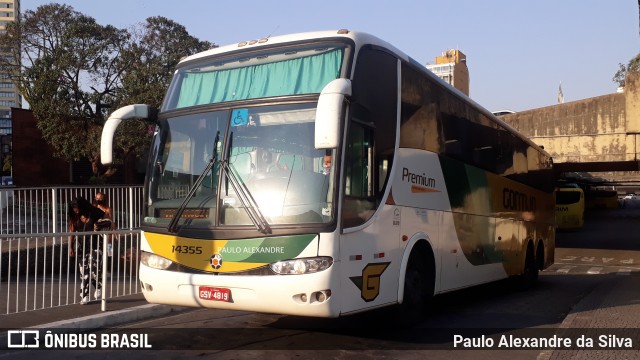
(36, 269)
(44, 210)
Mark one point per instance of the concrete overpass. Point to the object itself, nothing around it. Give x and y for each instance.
(600, 134)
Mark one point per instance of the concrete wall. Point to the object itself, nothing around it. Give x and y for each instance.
(599, 129)
(632, 96)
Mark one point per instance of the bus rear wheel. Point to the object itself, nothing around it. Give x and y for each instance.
(529, 277)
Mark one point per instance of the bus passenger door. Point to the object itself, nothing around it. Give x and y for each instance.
(369, 239)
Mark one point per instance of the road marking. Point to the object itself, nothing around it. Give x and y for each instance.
(606, 260)
(624, 272)
(588, 259)
(627, 261)
(594, 270)
(569, 258)
(565, 269)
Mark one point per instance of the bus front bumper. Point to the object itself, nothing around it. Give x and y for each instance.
(303, 295)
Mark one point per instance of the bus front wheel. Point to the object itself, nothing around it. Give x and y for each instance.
(418, 287)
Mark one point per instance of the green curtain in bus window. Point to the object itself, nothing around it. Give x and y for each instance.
(306, 75)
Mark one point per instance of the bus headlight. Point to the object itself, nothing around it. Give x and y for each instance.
(155, 261)
(301, 266)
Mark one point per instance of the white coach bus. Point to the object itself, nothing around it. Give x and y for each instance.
(328, 173)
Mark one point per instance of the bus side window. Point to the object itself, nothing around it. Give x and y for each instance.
(359, 203)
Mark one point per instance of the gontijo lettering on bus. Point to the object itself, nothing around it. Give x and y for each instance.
(517, 201)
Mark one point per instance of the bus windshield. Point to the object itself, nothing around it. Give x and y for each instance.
(270, 151)
(567, 197)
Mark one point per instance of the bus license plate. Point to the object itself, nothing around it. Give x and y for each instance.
(215, 294)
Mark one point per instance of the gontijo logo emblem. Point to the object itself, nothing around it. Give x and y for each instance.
(369, 282)
(419, 183)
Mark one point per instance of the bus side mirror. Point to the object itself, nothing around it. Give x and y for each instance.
(137, 111)
(329, 113)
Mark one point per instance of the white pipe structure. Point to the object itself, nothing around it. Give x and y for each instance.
(136, 111)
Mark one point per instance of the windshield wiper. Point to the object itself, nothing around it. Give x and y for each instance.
(246, 199)
(173, 225)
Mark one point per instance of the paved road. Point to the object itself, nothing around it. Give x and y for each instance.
(605, 229)
(591, 286)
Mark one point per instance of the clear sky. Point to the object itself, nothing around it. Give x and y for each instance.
(518, 52)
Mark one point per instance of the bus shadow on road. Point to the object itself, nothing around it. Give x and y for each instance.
(490, 310)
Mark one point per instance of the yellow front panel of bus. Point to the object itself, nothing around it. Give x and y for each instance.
(223, 256)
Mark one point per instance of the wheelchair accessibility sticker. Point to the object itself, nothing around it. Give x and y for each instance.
(240, 117)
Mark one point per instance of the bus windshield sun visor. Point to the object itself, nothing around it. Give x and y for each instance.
(173, 225)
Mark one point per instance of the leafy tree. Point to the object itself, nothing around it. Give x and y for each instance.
(74, 71)
(157, 48)
(151, 58)
(621, 74)
(66, 66)
(632, 66)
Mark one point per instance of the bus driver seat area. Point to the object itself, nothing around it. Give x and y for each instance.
(270, 163)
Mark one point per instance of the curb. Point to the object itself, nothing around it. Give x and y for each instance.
(115, 317)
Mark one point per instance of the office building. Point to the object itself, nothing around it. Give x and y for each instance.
(9, 96)
(451, 67)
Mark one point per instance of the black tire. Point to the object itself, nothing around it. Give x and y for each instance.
(418, 288)
(540, 256)
(529, 277)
